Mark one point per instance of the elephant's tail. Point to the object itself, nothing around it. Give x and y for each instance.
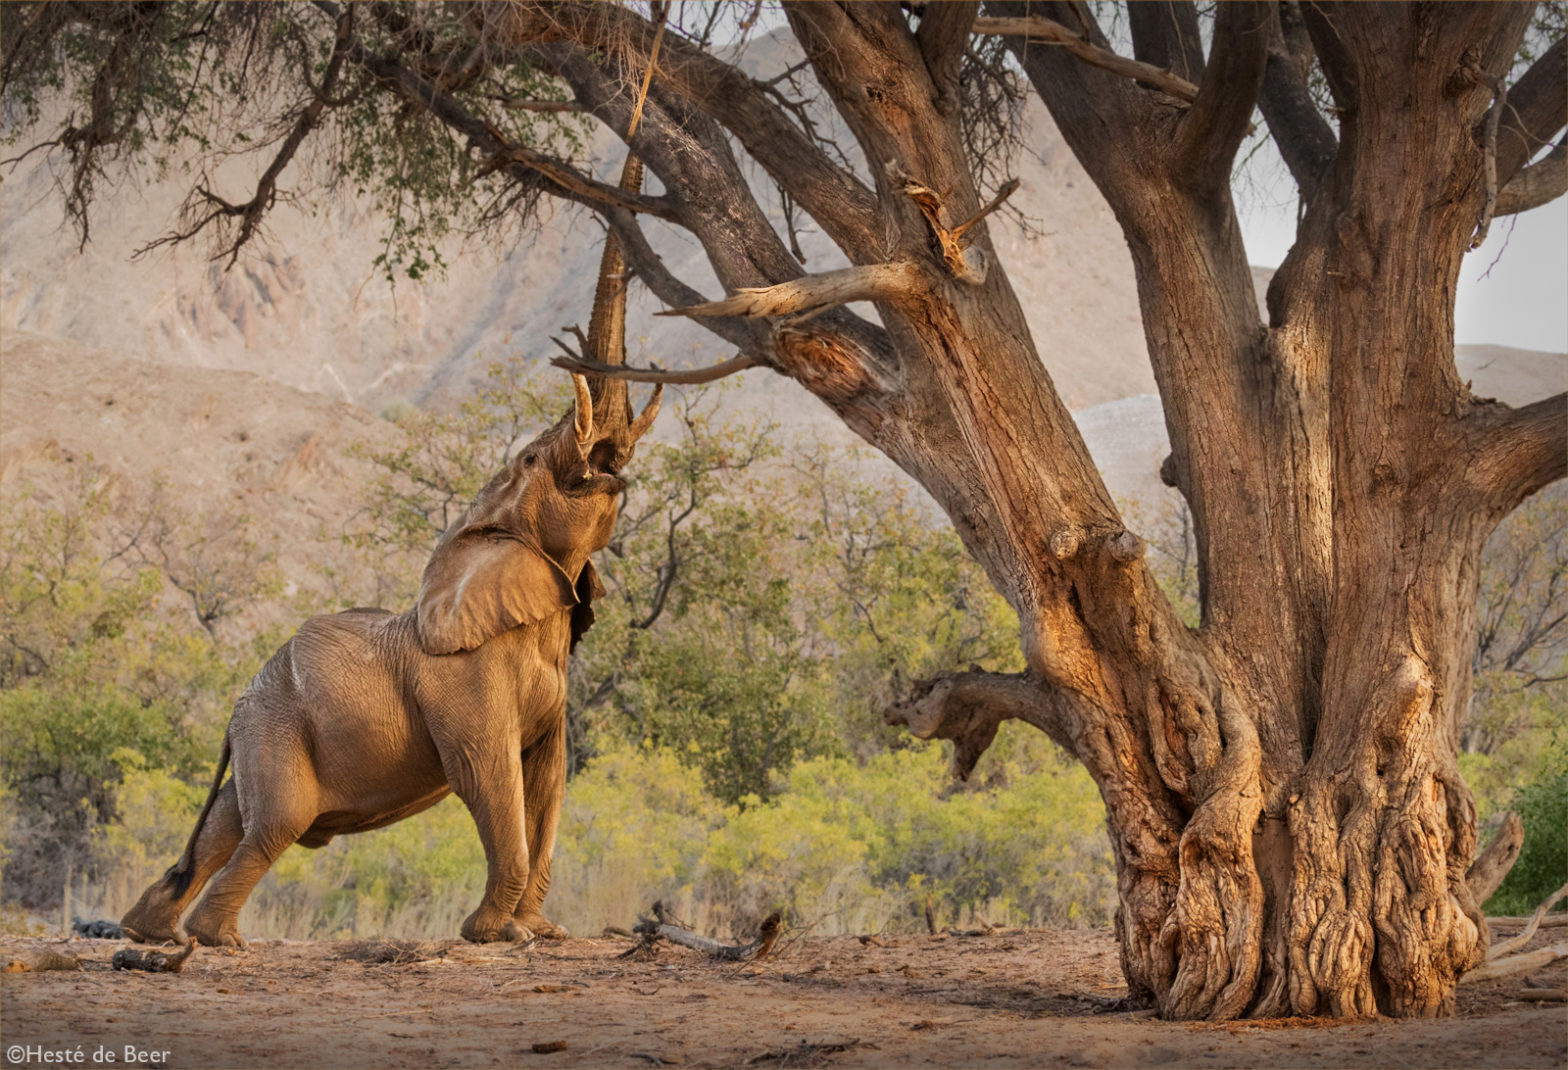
(180, 873)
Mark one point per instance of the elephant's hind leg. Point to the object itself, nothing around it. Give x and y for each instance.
(276, 811)
(215, 919)
(156, 915)
(544, 786)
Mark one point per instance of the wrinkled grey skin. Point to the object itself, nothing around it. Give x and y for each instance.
(366, 717)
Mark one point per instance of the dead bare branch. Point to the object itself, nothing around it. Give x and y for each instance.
(1039, 28)
(813, 293)
(1529, 962)
(662, 927)
(968, 707)
(1509, 946)
(574, 363)
(1489, 147)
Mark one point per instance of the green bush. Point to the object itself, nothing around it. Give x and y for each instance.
(1542, 805)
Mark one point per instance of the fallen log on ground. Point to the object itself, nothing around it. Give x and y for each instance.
(660, 927)
(153, 961)
(1529, 962)
(1554, 921)
(1514, 943)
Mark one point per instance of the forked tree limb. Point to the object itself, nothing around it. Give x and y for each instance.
(738, 363)
(1487, 872)
(813, 293)
(1514, 943)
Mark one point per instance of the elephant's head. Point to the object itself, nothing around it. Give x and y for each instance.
(520, 552)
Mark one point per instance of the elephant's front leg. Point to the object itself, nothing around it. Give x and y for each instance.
(490, 783)
(544, 786)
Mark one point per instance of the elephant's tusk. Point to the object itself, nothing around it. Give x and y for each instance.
(583, 418)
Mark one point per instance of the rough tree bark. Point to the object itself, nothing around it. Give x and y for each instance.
(1290, 829)
(1289, 824)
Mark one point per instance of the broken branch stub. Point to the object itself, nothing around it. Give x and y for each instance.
(964, 262)
(1491, 867)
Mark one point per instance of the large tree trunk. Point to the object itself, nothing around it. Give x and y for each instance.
(1290, 829)
(1289, 826)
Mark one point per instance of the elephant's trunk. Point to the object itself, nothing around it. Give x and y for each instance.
(607, 328)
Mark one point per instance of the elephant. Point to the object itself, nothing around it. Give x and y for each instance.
(366, 717)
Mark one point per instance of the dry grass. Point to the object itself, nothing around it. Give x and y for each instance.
(390, 952)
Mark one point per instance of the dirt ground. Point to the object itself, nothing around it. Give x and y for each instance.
(1009, 998)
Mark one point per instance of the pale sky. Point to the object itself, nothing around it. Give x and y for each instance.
(1513, 290)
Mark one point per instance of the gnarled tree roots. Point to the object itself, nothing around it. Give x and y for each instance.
(1355, 899)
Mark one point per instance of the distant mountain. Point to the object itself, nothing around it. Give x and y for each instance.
(308, 308)
(162, 363)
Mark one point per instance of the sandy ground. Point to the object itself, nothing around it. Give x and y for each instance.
(1004, 999)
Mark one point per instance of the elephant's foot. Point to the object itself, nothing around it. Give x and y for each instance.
(215, 932)
(155, 919)
(542, 926)
(487, 925)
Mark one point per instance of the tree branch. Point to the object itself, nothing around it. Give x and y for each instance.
(1529, 962)
(1490, 869)
(1541, 183)
(1497, 951)
(813, 293)
(943, 35)
(571, 183)
(1518, 451)
(1537, 111)
(1221, 114)
(839, 202)
(968, 707)
(1038, 28)
(738, 363)
(520, 104)
(1165, 35)
(559, 178)
(251, 212)
(1305, 139)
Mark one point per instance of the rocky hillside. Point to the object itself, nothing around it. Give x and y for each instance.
(309, 308)
(242, 388)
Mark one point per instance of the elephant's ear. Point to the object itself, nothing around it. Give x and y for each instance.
(588, 588)
(478, 586)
